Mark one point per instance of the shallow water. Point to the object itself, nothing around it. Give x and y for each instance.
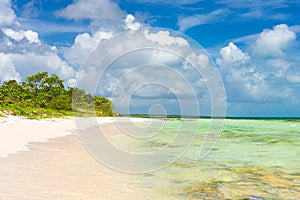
(253, 159)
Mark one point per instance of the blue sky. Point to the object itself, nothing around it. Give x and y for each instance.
(255, 44)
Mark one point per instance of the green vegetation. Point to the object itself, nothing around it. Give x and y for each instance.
(43, 96)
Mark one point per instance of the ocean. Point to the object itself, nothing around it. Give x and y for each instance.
(252, 159)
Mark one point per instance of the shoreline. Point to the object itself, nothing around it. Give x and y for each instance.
(16, 133)
(62, 168)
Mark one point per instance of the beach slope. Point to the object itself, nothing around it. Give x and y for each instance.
(44, 159)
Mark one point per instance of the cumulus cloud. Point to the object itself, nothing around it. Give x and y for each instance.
(83, 45)
(131, 24)
(122, 44)
(245, 82)
(120, 67)
(232, 55)
(30, 63)
(7, 15)
(164, 38)
(26, 54)
(7, 69)
(26, 58)
(274, 43)
(17, 42)
(30, 35)
(186, 23)
(22, 53)
(104, 14)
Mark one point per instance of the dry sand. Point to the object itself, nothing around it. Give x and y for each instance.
(56, 168)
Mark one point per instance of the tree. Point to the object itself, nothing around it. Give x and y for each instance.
(48, 92)
(103, 106)
(35, 81)
(89, 98)
(11, 93)
(51, 88)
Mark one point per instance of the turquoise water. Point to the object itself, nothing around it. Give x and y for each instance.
(253, 159)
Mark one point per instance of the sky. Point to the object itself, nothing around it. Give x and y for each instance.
(247, 49)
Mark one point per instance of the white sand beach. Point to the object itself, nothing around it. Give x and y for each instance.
(44, 159)
(16, 132)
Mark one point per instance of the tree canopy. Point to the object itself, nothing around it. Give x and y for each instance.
(41, 93)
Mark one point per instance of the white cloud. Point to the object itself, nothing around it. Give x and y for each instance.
(13, 34)
(28, 64)
(22, 52)
(280, 64)
(131, 24)
(279, 67)
(30, 35)
(83, 45)
(186, 23)
(163, 38)
(273, 43)
(104, 14)
(161, 61)
(7, 69)
(17, 41)
(245, 82)
(203, 60)
(232, 55)
(7, 15)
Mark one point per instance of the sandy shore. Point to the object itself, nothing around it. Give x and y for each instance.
(57, 168)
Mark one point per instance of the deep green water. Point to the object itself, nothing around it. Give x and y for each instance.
(253, 159)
